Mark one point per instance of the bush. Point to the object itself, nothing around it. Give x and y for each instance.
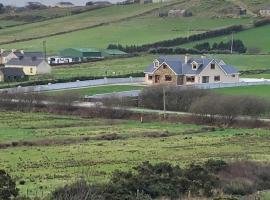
(239, 187)
(8, 188)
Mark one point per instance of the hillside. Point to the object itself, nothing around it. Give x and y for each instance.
(134, 24)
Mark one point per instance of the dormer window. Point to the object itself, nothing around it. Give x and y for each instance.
(194, 66)
(156, 63)
(213, 66)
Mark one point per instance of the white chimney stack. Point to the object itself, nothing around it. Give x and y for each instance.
(13, 50)
(22, 51)
(186, 59)
(2, 51)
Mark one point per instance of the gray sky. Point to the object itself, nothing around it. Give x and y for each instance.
(48, 2)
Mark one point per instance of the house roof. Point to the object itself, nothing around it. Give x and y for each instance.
(114, 52)
(29, 54)
(86, 49)
(266, 7)
(5, 53)
(179, 67)
(24, 62)
(12, 71)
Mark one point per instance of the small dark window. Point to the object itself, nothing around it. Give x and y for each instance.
(217, 78)
(213, 66)
(31, 70)
(233, 75)
(190, 79)
(168, 78)
(150, 78)
(194, 66)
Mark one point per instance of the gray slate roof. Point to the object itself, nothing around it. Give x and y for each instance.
(12, 71)
(29, 54)
(24, 62)
(179, 67)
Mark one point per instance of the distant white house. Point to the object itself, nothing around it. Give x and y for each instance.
(265, 11)
(65, 4)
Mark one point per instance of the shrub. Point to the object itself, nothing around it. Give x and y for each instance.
(8, 188)
(239, 187)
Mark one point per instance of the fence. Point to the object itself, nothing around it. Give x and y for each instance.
(244, 82)
(73, 85)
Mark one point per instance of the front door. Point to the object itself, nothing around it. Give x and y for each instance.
(205, 79)
(157, 78)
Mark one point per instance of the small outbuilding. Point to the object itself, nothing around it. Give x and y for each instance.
(8, 74)
(82, 53)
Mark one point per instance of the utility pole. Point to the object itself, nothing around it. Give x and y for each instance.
(232, 44)
(45, 49)
(164, 102)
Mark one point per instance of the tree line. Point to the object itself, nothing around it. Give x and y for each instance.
(204, 104)
(234, 45)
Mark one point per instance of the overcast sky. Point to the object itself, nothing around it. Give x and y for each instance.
(48, 2)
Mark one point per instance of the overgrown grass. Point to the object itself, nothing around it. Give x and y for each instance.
(46, 167)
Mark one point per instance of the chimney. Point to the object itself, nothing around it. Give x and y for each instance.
(203, 56)
(186, 59)
(13, 50)
(2, 51)
(22, 51)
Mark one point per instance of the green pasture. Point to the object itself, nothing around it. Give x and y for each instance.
(255, 38)
(73, 22)
(46, 167)
(258, 90)
(136, 31)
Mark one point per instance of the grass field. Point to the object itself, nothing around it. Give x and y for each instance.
(73, 22)
(253, 38)
(46, 167)
(260, 90)
(97, 90)
(265, 76)
(134, 31)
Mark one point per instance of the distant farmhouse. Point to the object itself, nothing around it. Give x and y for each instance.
(31, 63)
(65, 4)
(265, 11)
(31, 66)
(187, 71)
(179, 13)
(81, 53)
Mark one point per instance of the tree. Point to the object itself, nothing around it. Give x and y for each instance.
(8, 188)
(2, 8)
(203, 46)
(89, 3)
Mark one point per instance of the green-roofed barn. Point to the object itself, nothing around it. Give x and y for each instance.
(113, 52)
(83, 53)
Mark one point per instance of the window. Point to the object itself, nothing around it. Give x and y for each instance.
(164, 67)
(194, 66)
(213, 66)
(150, 78)
(217, 78)
(168, 78)
(233, 75)
(190, 79)
(156, 63)
(31, 70)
